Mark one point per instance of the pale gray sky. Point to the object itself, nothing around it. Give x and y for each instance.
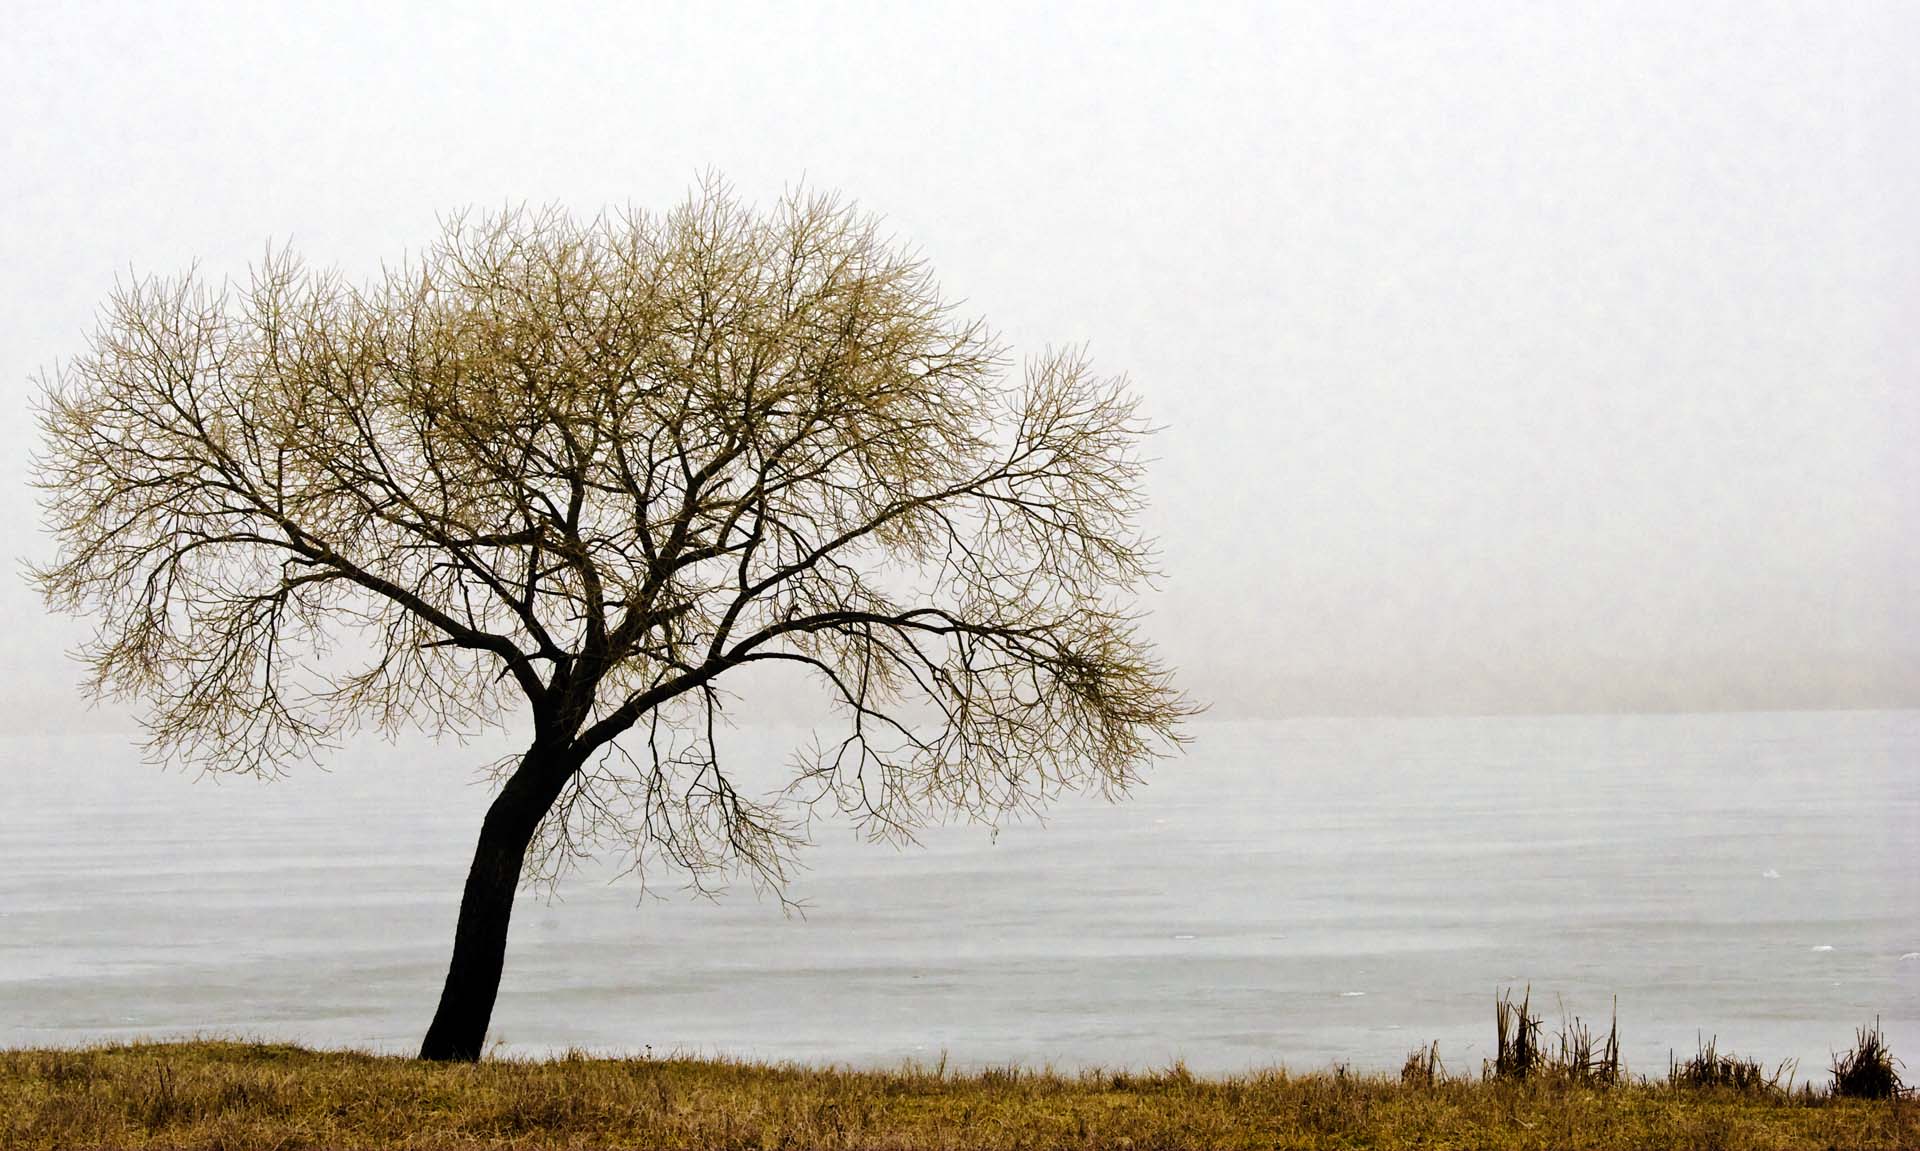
(1512, 357)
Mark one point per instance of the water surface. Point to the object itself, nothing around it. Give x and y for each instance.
(1296, 892)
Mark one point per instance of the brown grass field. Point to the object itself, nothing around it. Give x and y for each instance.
(240, 1095)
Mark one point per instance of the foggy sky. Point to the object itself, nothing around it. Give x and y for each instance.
(1527, 358)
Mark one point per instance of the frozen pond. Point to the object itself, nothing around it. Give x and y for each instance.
(1294, 892)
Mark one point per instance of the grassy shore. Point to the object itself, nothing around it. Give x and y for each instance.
(237, 1095)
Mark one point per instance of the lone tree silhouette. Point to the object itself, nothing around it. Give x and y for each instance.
(587, 469)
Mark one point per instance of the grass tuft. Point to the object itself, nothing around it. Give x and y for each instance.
(1583, 1059)
(1867, 1071)
(1422, 1068)
(1517, 1031)
(1710, 1069)
(1579, 1057)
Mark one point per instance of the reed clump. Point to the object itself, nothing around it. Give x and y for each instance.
(1709, 1068)
(1867, 1071)
(1423, 1067)
(1578, 1056)
(1587, 1058)
(1517, 1031)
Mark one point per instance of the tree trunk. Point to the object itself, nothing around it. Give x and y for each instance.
(459, 1028)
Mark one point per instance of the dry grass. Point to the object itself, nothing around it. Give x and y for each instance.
(233, 1095)
(1582, 1058)
(1869, 1071)
(1709, 1068)
(1517, 1032)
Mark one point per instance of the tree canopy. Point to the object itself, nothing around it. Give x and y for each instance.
(574, 472)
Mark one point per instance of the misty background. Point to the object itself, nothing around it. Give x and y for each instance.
(1511, 357)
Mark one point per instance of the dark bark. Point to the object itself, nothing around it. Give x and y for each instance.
(459, 1028)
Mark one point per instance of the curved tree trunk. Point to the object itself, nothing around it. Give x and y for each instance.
(459, 1028)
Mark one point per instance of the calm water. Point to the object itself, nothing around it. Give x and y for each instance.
(1293, 892)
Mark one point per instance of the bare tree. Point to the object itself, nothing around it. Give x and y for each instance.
(588, 469)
